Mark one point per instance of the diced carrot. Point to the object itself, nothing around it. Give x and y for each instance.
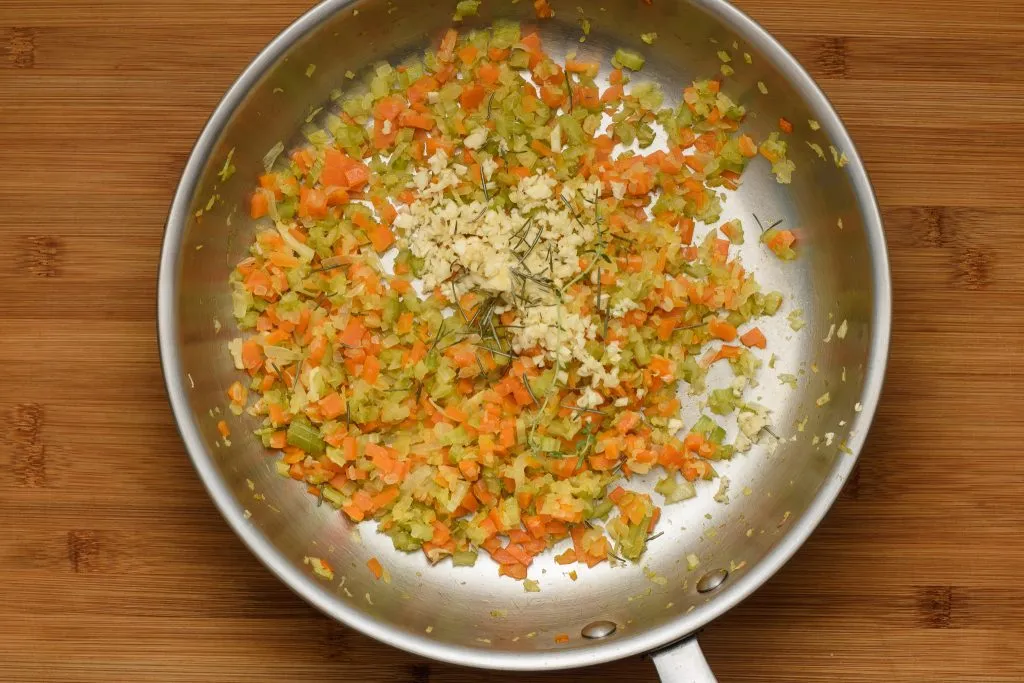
(472, 96)
(586, 97)
(354, 513)
(259, 206)
(337, 196)
(278, 335)
(728, 352)
(462, 355)
(722, 330)
(388, 108)
(350, 448)
(282, 260)
(375, 567)
(268, 181)
(516, 571)
(783, 239)
(278, 440)
(404, 324)
(531, 42)
(381, 238)
(223, 428)
(335, 163)
(386, 497)
(357, 175)
(252, 355)
(456, 414)
(747, 146)
(552, 96)
(411, 119)
(686, 226)
(332, 405)
(754, 338)
(785, 126)
(237, 393)
(470, 469)
(543, 9)
(447, 49)
(277, 414)
(507, 435)
(488, 73)
(707, 142)
(468, 54)
(695, 162)
(363, 500)
(634, 263)
(418, 351)
(302, 158)
(312, 203)
(371, 369)
(568, 557)
(353, 333)
(627, 422)
(660, 365)
(384, 134)
(612, 93)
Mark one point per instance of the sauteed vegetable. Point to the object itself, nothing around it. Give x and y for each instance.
(474, 296)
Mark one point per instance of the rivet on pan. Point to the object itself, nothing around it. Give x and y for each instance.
(712, 580)
(598, 629)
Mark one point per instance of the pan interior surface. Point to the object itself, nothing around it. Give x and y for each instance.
(471, 615)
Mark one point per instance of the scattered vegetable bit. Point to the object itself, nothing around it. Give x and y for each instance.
(780, 242)
(796, 319)
(838, 157)
(320, 567)
(375, 568)
(466, 8)
(627, 59)
(228, 169)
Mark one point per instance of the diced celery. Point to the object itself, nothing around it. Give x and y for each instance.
(465, 8)
(333, 496)
(772, 302)
(722, 401)
(302, 435)
(464, 558)
(628, 59)
(675, 489)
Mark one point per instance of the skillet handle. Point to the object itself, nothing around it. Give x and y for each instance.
(683, 663)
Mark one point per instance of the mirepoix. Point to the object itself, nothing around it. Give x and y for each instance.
(474, 296)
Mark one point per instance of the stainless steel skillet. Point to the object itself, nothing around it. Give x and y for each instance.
(712, 555)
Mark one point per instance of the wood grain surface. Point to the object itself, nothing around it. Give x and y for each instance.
(114, 565)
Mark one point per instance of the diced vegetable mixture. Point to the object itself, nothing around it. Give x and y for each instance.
(473, 298)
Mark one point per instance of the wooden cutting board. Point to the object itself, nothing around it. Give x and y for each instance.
(114, 565)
